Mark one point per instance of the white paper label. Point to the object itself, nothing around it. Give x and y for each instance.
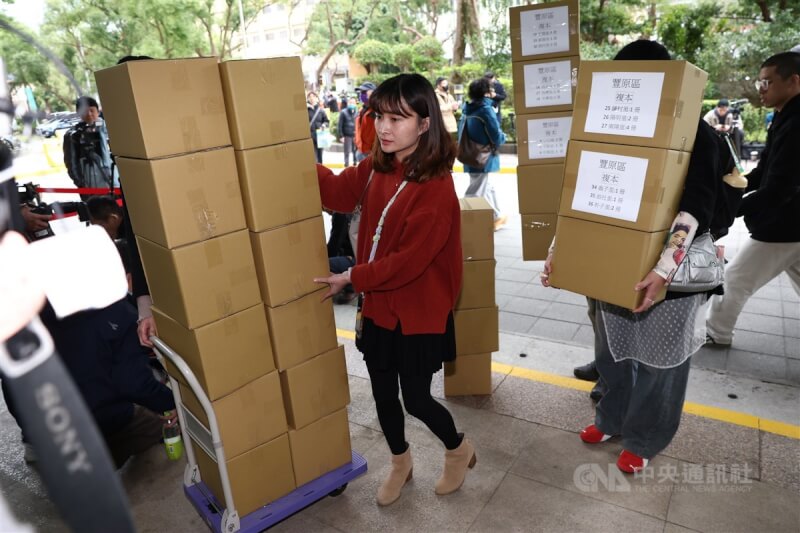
(548, 84)
(624, 103)
(548, 137)
(610, 185)
(544, 31)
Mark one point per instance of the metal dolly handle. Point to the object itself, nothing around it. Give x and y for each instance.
(208, 440)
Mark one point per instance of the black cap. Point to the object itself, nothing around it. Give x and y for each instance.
(723, 102)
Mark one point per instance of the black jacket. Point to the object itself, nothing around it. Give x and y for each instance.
(101, 350)
(317, 119)
(347, 123)
(772, 210)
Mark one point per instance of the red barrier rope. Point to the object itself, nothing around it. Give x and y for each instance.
(85, 190)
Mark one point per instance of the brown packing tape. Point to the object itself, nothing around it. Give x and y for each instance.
(196, 163)
(212, 106)
(224, 303)
(277, 128)
(213, 251)
(573, 23)
(231, 326)
(190, 133)
(179, 78)
(241, 275)
(679, 109)
(294, 233)
(538, 225)
(204, 218)
(281, 152)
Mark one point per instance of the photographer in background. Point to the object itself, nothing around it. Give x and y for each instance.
(720, 118)
(86, 152)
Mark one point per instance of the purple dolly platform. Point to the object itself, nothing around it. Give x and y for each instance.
(332, 483)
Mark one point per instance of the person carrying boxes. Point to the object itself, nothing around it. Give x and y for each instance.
(409, 269)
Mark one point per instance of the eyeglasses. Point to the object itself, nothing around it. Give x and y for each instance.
(762, 84)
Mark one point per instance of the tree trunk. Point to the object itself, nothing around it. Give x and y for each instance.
(467, 29)
(764, 7)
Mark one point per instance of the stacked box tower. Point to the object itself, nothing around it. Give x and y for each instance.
(546, 58)
(632, 135)
(476, 314)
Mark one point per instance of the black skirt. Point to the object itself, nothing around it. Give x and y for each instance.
(410, 355)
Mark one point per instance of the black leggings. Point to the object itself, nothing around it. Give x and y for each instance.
(418, 402)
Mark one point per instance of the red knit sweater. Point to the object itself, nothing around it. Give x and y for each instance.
(416, 274)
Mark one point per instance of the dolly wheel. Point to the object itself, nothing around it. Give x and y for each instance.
(338, 491)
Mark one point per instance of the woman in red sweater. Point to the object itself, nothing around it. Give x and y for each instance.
(408, 269)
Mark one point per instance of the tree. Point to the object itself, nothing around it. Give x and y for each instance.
(468, 29)
(373, 55)
(403, 57)
(603, 20)
(685, 29)
(428, 54)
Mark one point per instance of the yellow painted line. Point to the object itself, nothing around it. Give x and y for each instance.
(705, 411)
(39, 173)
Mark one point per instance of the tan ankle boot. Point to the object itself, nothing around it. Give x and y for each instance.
(456, 463)
(399, 475)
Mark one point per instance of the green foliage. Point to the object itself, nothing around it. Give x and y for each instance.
(598, 51)
(603, 19)
(333, 116)
(403, 57)
(684, 29)
(373, 54)
(428, 54)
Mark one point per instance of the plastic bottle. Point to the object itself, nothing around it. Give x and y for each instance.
(172, 438)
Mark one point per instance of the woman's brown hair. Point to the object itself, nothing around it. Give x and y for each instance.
(436, 151)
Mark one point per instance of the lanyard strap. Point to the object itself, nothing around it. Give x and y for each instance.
(379, 229)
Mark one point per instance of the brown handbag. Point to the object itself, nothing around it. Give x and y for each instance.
(472, 153)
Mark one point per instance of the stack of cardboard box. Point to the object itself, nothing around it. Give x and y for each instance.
(281, 196)
(169, 130)
(632, 135)
(545, 54)
(476, 314)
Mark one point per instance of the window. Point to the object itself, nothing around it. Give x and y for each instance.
(297, 34)
(269, 36)
(255, 38)
(283, 35)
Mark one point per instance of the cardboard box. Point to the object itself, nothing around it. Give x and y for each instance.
(203, 282)
(255, 118)
(257, 477)
(289, 258)
(224, 355)
(279, 184)
(301, 329)
(164, 107)
(315, 388)
(477, 290)
(544, 30)
(477, 330)
(538, 231)
(468, 374)
(539, 188)
(542, 138)
(639, 103)
(604, 262)
(184, 199)
(320, 447)
(627, 186)
(545, 86)
(477, 229)
(248, 417)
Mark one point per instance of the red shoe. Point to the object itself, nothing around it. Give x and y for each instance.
(592, 435)
(630, 462)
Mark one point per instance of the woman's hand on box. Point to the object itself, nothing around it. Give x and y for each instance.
(336, 282)
(652, 285)
(544, 276)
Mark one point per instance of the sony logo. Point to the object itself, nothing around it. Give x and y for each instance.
(59, 421)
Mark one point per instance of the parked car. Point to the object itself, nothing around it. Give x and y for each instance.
(55, 122)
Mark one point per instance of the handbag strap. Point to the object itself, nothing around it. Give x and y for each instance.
(357, 208)
(485, 129)
(376, 239)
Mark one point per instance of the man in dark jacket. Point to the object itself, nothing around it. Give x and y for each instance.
(499, 94)
(346, 129)
(86, 153)
(771, 206)
(101, 350)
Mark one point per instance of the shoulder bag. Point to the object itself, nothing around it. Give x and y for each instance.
(702, 269)
(355, 220)
(470, 152)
